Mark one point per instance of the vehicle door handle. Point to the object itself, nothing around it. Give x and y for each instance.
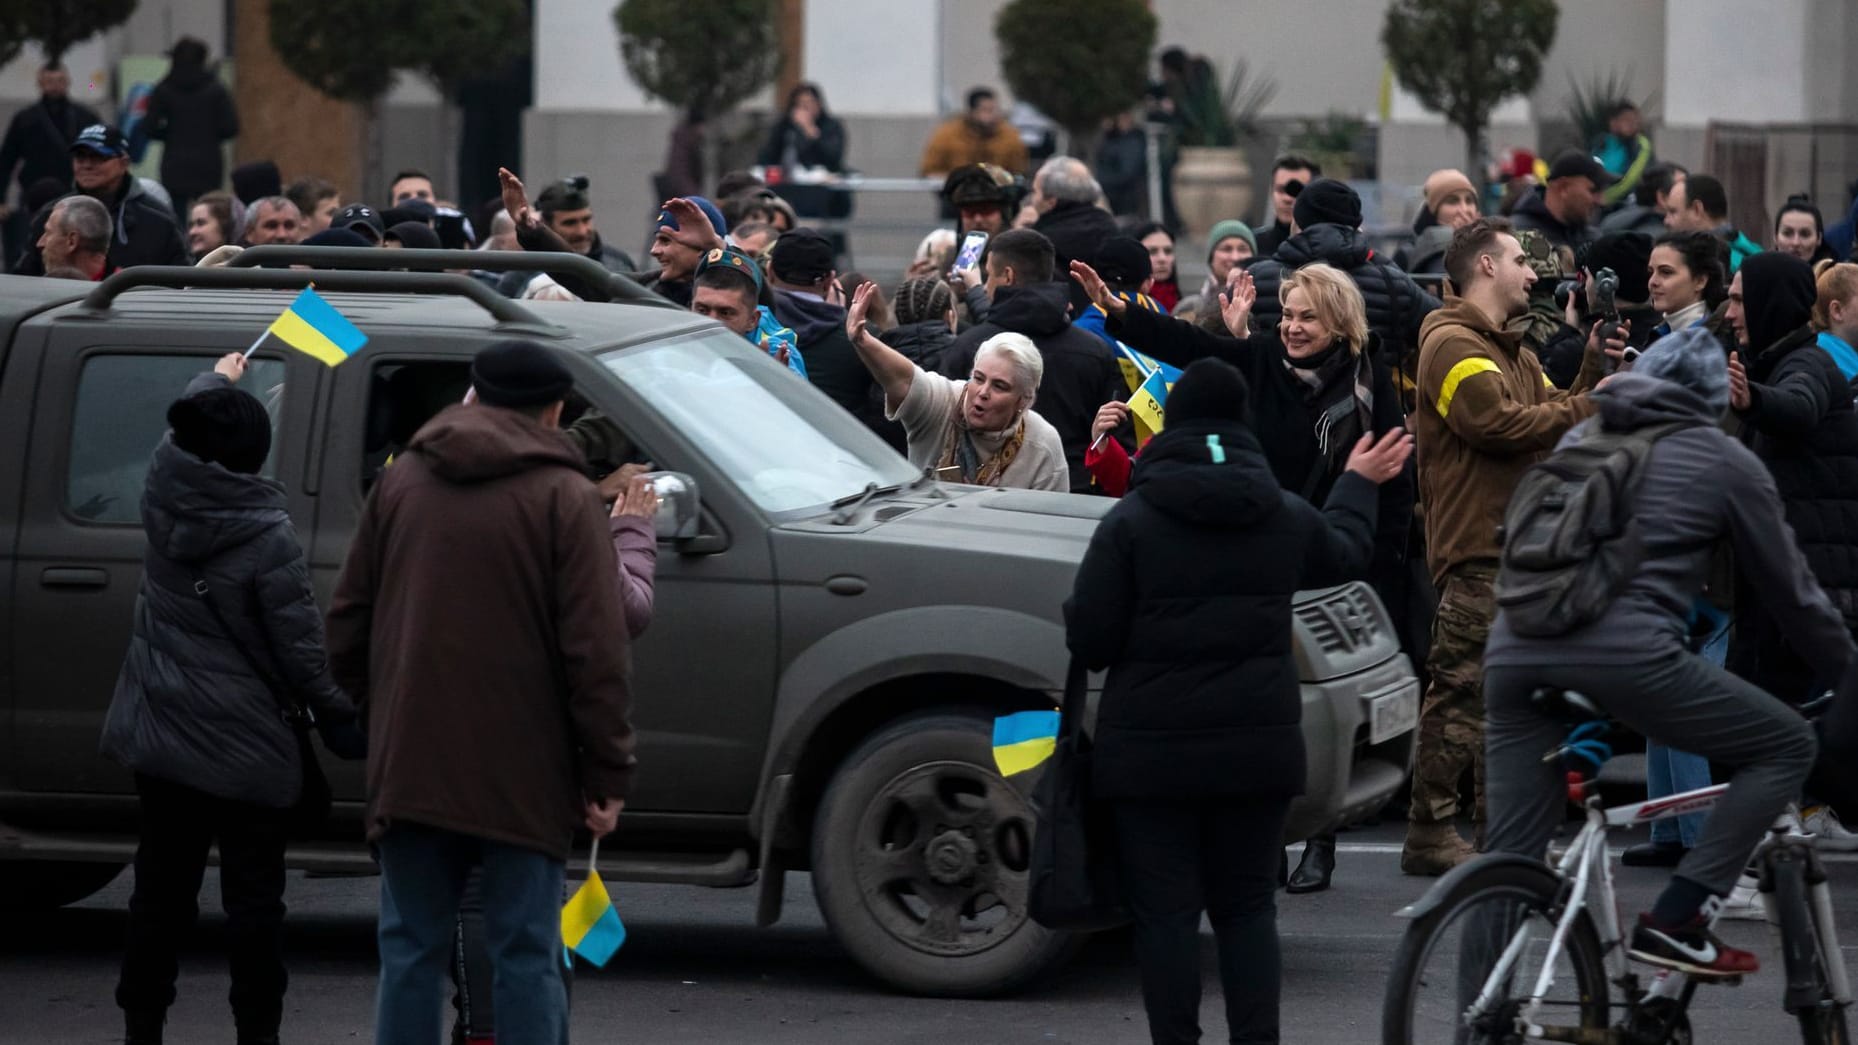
(74, 577)
(846, 584)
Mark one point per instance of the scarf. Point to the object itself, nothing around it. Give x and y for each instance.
(959, 451)
(1338, 386)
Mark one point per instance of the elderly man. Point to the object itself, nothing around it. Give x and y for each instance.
(77, 236)
(273, 219)
(982, 430)
(1065, 195)
(145, 230)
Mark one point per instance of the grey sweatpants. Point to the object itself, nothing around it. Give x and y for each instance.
(1679, 699)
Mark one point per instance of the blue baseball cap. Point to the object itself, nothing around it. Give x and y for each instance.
(666, 221)
(102, 139)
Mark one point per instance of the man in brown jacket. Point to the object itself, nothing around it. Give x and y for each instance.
(478, 626)
(1485, 414)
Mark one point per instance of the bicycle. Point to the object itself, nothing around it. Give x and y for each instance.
(1504, 920)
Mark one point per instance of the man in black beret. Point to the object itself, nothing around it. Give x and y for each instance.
(478, 625)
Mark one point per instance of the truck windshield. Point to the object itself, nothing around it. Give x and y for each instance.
(787, 446)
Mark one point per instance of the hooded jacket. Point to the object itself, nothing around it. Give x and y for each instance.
(1699, 486)
(1396, 306)
(1077, 232)
(832, 365)
(921, 343)
(1185, 596)
(1080, 370)
(193, 113)
(188, 707)
(1801, 423)
(1532, 213)
(478, 621)
(1485, 413)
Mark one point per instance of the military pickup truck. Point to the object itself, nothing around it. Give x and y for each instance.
(834, 632)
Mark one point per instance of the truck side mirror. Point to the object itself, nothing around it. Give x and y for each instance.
(678, 505)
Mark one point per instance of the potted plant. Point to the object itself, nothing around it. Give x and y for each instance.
(1213, 120)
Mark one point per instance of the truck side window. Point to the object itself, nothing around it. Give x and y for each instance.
(120, 416)
(402, 397)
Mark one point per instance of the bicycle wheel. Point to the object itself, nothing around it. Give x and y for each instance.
(1822, 1020)
(1446, 956)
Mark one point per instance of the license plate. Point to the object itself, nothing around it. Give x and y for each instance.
(1393, 714)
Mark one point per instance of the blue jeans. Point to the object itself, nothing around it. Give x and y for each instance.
(423, 873)
(1669, 772)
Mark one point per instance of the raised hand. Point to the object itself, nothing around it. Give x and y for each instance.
(1235, 305)
(693, 226)
(639, 499)
(855, 312)
(1109, 416)
(1378, 460)
(1097, 290)
(231, 366)
(1739, 398)
(515, 200)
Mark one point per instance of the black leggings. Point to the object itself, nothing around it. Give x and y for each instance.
(1179, 859)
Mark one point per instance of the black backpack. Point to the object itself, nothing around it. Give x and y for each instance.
(1569, 539)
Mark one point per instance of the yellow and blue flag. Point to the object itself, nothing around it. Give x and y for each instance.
(590, 927)
(312, 326)
(1149, 380)
(1024, 739)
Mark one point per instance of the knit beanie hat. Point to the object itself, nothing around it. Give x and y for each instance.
(1226, 230)
(224, 426)
(519, 374)
(1629, 255)
(1441, 184)
(803, 256)
(1691, 357)
(1209, 390)
(1327, 201)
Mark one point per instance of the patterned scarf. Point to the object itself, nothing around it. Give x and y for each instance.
(1338, 386)
(958, 449)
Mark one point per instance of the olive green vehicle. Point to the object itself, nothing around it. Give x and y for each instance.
(834, 632)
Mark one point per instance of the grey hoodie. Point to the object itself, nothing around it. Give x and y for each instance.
(1700, 486)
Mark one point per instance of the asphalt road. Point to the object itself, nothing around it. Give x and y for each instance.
(694, 969)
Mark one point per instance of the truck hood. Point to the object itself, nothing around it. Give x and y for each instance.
(1028, 524)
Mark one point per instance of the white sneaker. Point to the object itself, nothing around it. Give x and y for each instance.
(1828, 833)
(1743, 904)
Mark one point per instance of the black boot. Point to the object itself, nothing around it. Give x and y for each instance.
(1316, 867)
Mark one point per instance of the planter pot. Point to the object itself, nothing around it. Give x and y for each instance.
(1211, 185)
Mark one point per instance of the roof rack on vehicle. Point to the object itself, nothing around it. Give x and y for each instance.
(510, 315)
(584, 269)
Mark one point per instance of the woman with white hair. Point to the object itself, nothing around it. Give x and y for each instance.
(981, 431)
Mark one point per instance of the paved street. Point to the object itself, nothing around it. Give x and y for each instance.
(696, 970)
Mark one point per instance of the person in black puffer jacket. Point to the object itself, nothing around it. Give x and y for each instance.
(197, 711)
(1080, 370)
(925, 322)
(1184, 595)
(1328, 220)
(1797, 415)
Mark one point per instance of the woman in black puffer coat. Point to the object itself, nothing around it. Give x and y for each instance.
(197, 711)
(925, 310)
(1185, 596)
(1796, 414)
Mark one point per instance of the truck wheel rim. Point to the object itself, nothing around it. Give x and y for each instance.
(940, 857)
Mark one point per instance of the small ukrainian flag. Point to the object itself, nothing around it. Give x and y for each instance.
(312, 326)
(1024, 739)
(590, 927)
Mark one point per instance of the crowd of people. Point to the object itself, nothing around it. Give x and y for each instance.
(1407, 395)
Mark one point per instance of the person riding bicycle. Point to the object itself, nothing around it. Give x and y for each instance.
(1697, 486)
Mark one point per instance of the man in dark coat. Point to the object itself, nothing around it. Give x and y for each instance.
(1328, 228)
(801, 271)
(496, 696)
(1797, 415)
(1065, 195)
(38, 142)
(1562, 209)
(196, 713)
(1080, 369)
(193, 114)
(1184, 596)
(146, 232)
